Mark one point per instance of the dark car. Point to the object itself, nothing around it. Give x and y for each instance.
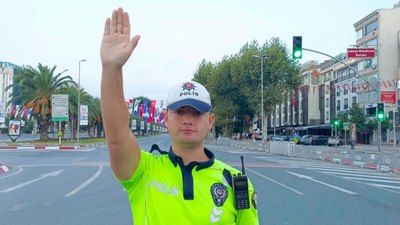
(319, 140)
(303, 139)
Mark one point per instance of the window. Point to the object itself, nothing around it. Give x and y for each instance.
(359, 34)
(346, 91)
(371, 27)
(327, 102)
(353, 86)
(346, 104)
(338, 105)
(338, 94)
(354, 100)
(327, 116)
(327, 89)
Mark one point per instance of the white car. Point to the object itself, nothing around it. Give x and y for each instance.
(335, 141)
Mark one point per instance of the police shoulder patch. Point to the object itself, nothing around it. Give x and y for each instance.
(219, 193)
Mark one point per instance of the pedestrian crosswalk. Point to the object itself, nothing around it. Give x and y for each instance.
(365, 176)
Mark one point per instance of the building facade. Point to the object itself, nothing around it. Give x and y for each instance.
(332, 88)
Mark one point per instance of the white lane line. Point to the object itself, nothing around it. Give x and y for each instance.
(362, 175)
(51, 174)
(276, 182)
(86, 183)
(374, 180)
(384, 186)
(301, 176)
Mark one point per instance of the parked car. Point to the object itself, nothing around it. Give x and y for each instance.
(332, 140)
(258, 135)
(302, 140)
(319, 140)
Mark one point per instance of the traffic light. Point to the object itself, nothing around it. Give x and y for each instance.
(297, 47)
(336, 122)
(380, 112)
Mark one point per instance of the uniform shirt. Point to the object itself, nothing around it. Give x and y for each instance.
(164, 191)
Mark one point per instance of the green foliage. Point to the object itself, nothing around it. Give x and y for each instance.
(234, 83)
(33, 88)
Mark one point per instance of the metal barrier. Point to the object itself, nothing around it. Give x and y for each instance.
(389, 161)
(282, 148)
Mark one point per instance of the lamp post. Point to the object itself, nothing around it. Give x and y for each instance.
(79, 101)
(262, 95)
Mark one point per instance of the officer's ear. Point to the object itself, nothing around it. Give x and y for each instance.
(211, 120)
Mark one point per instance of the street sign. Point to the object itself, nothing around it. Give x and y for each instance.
(361, 52)
(59, 107)
(84, 118)
(388, 97)
(345, 126)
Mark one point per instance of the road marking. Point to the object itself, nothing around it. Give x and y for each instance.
(376, 180)
(86, 183)
(384, 186)
(274, 181)
(20, 169)
(323, 183)
(52, 174)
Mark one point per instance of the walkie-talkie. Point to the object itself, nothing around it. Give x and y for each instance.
(241, 189)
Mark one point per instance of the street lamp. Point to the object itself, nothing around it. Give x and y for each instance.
(262, 95)
(79, 100)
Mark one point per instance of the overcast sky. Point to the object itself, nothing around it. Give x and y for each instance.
(175, 34)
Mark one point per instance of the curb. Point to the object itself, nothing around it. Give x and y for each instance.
(44, 147)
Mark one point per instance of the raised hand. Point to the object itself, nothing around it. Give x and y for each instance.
(117, 46)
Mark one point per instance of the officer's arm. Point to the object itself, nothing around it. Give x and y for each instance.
(116, 48)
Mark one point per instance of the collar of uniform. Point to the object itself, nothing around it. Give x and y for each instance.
(200, 165)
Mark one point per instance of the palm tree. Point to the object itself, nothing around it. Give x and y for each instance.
(33, 88)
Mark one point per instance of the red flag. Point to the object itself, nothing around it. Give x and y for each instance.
(152, 110)
(141, 110)
(12, 111)
(293, 99)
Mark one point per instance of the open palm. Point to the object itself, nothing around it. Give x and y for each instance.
(116, 46)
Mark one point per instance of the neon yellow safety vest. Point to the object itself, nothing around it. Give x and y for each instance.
(164, 191)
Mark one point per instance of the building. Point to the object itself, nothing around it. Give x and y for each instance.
(7, 71)
(332, 87)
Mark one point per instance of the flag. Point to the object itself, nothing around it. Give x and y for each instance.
(28, 113)
(141, 110)
(136, 107)
(12, 112)
(293, 99)
(146, 110)
(152, 110)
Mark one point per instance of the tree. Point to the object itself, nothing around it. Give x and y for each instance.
(234, 83)
(33, 88)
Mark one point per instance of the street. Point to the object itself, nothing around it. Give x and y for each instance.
(77, 187)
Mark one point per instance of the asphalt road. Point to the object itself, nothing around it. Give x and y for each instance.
(77, 187)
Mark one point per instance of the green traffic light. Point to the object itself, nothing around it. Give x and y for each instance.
(297, 54)
(297, 47)
(380, 111)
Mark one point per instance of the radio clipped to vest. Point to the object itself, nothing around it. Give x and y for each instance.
(240, 185)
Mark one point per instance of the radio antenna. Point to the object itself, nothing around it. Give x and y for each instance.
(241, 159)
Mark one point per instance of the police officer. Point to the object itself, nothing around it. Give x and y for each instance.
(187, 185)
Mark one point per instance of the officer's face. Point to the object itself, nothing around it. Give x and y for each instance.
(188, 125)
